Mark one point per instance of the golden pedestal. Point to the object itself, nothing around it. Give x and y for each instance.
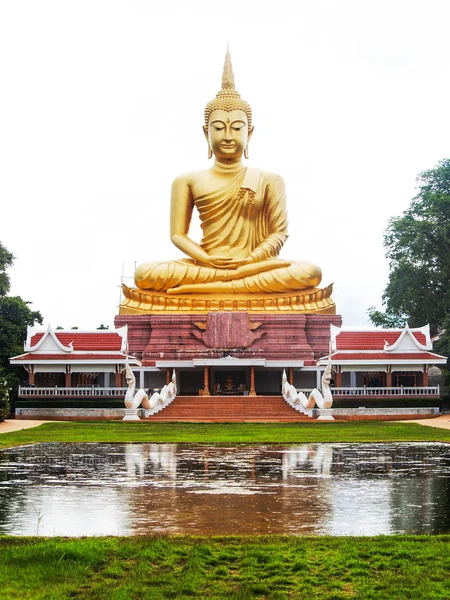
(310, 301)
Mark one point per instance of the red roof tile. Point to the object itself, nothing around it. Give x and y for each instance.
(385, 356)
(86, 341)
(72, 356)
(371, 340)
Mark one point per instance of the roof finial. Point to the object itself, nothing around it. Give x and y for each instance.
(228, 75)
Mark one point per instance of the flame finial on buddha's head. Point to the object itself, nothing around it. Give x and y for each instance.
(228, 98)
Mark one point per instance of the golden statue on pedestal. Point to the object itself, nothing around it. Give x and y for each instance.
(244, 222)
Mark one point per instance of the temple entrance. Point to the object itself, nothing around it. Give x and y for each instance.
(190, 382)
(405, 379)
(268, 382)
(230, 383)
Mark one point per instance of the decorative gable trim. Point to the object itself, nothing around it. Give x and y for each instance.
(334, 332)
(407, 341)
(48, 342)
(123, 332)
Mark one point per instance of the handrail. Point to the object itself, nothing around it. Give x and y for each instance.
(72, 391)
(120, 392)
(383, 391)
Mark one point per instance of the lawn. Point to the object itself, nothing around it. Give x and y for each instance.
(216, 433)
(274, 567)
(270, 567)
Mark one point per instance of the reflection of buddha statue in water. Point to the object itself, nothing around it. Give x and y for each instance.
(243, 217)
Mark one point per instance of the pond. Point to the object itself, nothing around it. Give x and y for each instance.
(311, 489)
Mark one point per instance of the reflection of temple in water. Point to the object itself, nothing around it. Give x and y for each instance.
(162, 458)
(226, 490)
(123, 489)
(310, 488)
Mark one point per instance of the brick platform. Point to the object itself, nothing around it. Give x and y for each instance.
(269, 336)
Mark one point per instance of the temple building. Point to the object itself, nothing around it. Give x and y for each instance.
(61, 362)
(369, 364)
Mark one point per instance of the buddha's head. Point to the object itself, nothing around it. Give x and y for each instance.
(228, 120)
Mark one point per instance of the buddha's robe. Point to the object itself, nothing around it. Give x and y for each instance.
(245, 218)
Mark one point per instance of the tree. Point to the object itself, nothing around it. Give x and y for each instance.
(15, 316)
(418, 250)
(6, 260)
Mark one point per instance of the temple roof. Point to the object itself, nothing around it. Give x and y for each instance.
(77, 340)
(56, 346)
(371, 340)
(406, 345)
(388, 357)
(91, 357)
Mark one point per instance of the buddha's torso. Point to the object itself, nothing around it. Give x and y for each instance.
(230, 207)
(209, 180)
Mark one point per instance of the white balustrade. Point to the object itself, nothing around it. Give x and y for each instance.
(66, 392)
(382, 391)
(120, 392)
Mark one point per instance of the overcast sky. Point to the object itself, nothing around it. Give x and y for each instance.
(102, 106)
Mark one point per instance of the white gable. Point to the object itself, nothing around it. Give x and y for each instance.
(48, 344)
(407, 342)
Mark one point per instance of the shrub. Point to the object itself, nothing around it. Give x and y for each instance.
(4, 399)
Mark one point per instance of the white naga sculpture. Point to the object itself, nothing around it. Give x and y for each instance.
(161, 399)
(151, 406)
(299, 401)
(133, 400)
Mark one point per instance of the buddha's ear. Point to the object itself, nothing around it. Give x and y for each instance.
(250, 133)
(205, 131)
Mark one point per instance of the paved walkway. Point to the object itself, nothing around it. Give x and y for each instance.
(11, 425)
(443, 421)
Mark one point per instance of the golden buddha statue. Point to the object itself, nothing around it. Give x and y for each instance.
(244, 222)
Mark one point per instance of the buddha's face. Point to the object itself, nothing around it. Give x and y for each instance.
(227, 133)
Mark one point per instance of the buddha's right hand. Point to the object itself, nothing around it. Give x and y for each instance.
(218, 262)
(260, 267)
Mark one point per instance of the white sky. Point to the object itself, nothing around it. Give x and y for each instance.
(102, 106)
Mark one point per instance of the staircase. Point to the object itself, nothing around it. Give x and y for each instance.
(214, 409)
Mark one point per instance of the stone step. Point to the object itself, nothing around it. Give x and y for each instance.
(229, 420)
(229, 409)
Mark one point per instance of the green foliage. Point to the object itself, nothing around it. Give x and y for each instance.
(15, 316)
(225, 433)
(443, 346)
(4, 398)
(418, 250)
(6, 260)
(238, 568)
(384, 319)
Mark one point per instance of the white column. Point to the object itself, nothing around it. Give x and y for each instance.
(352, 378)
(318, 379)
(141, 378)
(107, 381)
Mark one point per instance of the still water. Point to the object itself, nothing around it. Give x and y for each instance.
(134, 489)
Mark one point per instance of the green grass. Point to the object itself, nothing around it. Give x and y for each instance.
(270, 567)
(107, 431)
(275, 567)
